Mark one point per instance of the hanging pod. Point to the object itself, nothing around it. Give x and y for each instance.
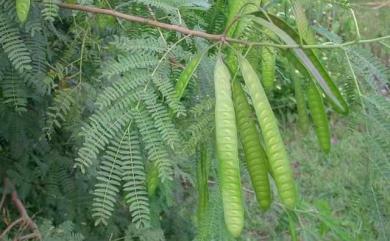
(227, 151)
(268, 60)
(277, 156)
(318, 115)
(187, 74)
(202, 175)
(303, 118)
(255, 155)
(306, 57)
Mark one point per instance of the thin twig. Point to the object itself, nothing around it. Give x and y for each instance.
(211, 37)
(4, 193)
(2, 200)
(155, 19)
(245, 189)
(82, 58)
(24, 218)
(9, 227)
(29, 236)
(356, 82)
(137, 19)
(167, 52)
(385, 44)
(374, 5)
(22, 211)
(356, 24)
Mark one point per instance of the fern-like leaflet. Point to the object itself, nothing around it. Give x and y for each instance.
(56, 113)
(109, 181)
(63, 232)
(127, 62)
(165, 86)
(123, 89)
(153, 144)
(50, 10)
(14, 46)
(101, 129)
(162, 121)
(134, 180)
(14, 91)
(146, 45)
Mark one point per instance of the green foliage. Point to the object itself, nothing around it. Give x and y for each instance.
(366, 66)
(63, 232)
(14, 91)
(50, 10)
(156, 151)
(161, 118)
(13, 45)
(358, 168)
(125, 63)
(212, 226)
(150, 234)
(56, 113)
(93, 132)
(122, 162)
(200, 130)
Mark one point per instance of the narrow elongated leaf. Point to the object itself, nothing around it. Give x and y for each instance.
(186, 75)
(306, 57)
(303, 119)
(302, 23)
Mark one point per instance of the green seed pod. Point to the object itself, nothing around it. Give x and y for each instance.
(303, 119)
(268, 59)
(277, 156)
(227, 150)
(255, 155)
(318, 115)
(186, 75)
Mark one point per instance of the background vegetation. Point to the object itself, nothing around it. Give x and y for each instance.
(77, 89)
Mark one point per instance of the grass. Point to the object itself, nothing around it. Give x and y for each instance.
(346, 194)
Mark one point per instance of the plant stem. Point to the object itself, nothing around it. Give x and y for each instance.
(211, 37)
(356, 24)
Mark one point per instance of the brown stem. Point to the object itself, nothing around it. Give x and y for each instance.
(141, 20)
(211, 37)
(377, 5)
(29, 236)
(24, 218)
(22, 212)
(9, 227)
(166, 26)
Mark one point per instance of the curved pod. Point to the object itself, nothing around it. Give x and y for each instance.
(227, 151)
(306, 57)
(186, 75)
(255, 155)
(276, 152)
(318, 115)
(303, 118)
(268, 68)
